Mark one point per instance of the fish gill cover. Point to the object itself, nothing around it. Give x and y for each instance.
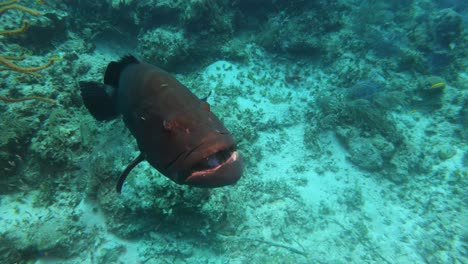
(350, 115)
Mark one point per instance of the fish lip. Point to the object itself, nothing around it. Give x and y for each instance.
(226, 173)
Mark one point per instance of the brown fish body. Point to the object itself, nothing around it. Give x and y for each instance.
(175, 131)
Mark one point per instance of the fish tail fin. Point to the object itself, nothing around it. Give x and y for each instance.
(99, 101)
(112, 75)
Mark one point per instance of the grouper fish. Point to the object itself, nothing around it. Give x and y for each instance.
(175, 130)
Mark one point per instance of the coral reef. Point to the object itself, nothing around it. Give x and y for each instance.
(447, 27)
(7, 61)
(14, 141)
(167, 47)
(208, 16)
(351, 117)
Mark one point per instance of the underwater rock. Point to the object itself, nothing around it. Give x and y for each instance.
(366, 89)
(364, 154)
(118, 3)
(431, 90)
(109, 254)
(446, 152)
(406, 162)
(447, 26)
(43, 32)
(58, 139)
(386, 148)
(463, 116)
(158, 13)
(208, 16)
(51, 235)
(298, 35)
(15, 136)
(234, 50)
(165, 46)
(8, 250)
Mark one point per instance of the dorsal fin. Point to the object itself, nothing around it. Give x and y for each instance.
(112, 75)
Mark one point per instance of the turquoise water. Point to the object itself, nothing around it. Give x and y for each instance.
(350, 116)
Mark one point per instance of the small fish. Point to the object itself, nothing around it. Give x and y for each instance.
(41, 2)
(176, 132)
(438, 85)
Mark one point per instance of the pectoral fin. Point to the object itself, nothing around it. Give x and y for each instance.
(127, 170)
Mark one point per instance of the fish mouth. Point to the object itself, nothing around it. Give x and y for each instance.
(221, 168)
